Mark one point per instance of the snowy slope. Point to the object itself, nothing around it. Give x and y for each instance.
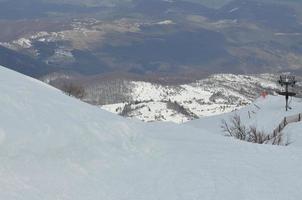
(56, 147)
(264, 113)
(215, 95)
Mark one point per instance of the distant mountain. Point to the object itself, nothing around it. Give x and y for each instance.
(23, 63)
(180, 103)
(278, 17)
(35, 9)
(157, 37)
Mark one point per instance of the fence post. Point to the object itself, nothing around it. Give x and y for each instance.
(285, 122)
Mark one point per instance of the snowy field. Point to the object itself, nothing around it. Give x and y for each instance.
(54, 147)
(215, 95)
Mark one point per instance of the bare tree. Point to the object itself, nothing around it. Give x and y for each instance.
(235, 128)
(126, 110)
(72, 89)
(258, 137)
(180, 109)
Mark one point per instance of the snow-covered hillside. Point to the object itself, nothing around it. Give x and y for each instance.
(217, 94)
(264, 113)
(56, 147)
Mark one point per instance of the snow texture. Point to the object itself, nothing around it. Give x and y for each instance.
(56, 147)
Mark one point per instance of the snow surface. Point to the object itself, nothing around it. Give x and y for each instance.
(165, 22)
(56, 147)
(265, 114)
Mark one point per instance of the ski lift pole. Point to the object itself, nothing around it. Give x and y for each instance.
(286, 97)
(286, 81)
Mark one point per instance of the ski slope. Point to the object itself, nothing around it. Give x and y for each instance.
(54, 147)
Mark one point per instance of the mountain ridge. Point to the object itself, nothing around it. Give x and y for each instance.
(215, 95)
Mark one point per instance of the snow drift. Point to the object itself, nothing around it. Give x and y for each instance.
(56, 147)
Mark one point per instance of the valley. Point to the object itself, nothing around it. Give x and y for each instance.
(158, 38)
